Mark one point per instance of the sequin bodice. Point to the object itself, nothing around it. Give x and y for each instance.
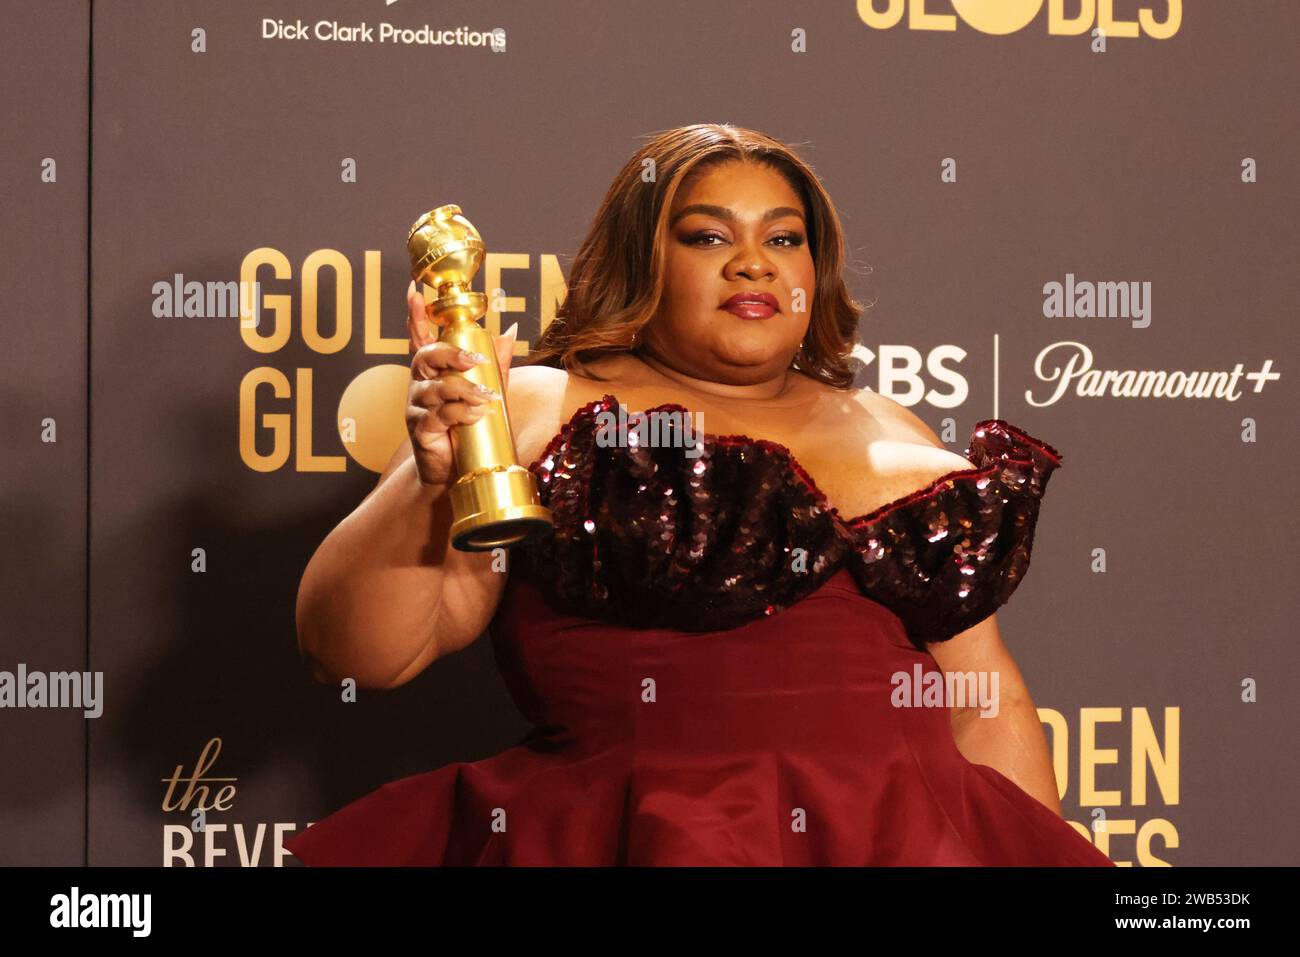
(649, 536)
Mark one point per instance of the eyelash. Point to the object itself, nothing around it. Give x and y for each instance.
(693, 240)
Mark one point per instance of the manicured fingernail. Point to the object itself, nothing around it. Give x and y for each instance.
(474, 357)
(487, 390)
(512, 331)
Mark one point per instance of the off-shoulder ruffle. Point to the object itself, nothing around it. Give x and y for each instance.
(947, 556)
(650, 537)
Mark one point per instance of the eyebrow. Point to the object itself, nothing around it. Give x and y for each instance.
(723, 212)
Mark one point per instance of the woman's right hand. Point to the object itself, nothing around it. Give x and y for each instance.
(435, 401)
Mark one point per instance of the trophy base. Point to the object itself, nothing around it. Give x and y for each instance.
(497, 508)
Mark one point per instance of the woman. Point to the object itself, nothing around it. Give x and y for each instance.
(718, 660)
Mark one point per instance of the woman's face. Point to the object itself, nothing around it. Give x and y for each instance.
(751, 239)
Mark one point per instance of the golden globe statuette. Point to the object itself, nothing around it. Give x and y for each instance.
(494, 499)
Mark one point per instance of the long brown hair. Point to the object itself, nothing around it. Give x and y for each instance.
(616, 281)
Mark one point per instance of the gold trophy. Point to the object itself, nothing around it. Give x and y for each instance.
(494, 499)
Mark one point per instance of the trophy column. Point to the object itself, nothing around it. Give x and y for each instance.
(494, 499)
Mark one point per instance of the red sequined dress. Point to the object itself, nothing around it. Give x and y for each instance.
(705, 648)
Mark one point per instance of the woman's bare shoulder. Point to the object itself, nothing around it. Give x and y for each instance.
(535, 396)
(897, 422)
(537, 381)
(906, 448)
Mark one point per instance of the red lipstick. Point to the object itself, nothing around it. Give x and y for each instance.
(752, 305)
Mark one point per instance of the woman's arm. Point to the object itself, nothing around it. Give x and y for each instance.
(370, 601)
(385, 594)
(1013, 742)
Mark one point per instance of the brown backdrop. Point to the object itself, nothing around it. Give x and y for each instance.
(1122, 166)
